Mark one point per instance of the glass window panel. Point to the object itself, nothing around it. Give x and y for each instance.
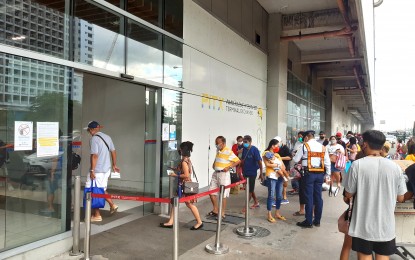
(98, 39)
(173, 17)
(25, 208)
(145, 55)
(148, 10)
(39, 26)
(173, 67)
(117, 3)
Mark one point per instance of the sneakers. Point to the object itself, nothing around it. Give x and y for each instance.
(304, 224)
(96, 219)
(113, 209)
(284, 202)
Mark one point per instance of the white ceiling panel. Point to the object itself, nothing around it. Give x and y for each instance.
(296, 6)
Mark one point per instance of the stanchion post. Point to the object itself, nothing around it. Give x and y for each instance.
(175, 228)
(76, 217)
(87, 225)
(218, 248)
(246, 231)
(171, 192)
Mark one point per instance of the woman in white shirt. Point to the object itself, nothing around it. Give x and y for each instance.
(333, 149)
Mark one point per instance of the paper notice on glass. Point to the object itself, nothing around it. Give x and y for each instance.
(172, 132)
(23, 135)
(165, 132)
(47, 139)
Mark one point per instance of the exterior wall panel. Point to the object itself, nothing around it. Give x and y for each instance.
(247, 19)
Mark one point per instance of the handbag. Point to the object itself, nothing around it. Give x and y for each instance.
(191, 187)
(234, 176)
(340, 161)
(343, 222)
(97, 203)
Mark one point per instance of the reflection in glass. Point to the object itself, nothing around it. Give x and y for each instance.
(145, 55)
(305, 105)
(98, 37)
(172, 115)
(148, 10)
(39, 26)
(33, 201)
(173, 17)
(173, 66)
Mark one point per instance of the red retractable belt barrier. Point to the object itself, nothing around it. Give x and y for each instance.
(188, 198)
(162, 200)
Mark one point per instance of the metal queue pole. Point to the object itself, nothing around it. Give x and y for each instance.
(218, 248)
(246, 231)
(171, 192)
(76, 217)
(87, 225)
(175, 228)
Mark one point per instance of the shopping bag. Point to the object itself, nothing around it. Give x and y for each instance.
(97, 203)
(341, 161)
(115, 175)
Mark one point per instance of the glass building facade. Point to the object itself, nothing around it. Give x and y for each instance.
(305, 108)
(138, 38)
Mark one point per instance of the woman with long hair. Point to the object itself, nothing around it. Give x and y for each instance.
(274, 181)
(334, 149)
(184, 173)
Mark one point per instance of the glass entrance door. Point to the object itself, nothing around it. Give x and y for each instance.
(152, 146)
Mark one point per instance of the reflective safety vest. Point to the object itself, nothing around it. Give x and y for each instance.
(315, 155)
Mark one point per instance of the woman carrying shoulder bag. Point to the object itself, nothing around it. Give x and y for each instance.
(184, 172)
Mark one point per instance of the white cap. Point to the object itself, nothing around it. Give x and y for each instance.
(279, 139)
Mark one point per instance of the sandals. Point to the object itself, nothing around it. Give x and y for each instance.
(165, 226)
(280, 217)
(254, 206)
(212, 214)
(298, 213)
(272, 220)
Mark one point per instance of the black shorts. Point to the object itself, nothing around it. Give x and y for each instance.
(251, 183)
(367, 247)
(301, 191)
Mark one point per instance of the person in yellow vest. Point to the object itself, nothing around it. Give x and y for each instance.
(225, 160)
(315, 161)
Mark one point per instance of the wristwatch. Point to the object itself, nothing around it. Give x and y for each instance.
(91, 170)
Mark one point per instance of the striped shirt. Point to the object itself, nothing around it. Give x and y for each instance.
(224, 158)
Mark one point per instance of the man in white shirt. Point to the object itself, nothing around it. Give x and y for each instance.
(377, 183)
(315, 161)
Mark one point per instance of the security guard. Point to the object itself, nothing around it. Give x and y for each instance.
(315, 161)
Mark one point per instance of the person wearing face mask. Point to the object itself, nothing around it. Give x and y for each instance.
(334, 149)
(184, 173)
(286, 157)
(378, 184)
(237, 150)
(315, 161)
(225, 160)
(322, 138)
(251, 162)
(340, 140)
(299, 142)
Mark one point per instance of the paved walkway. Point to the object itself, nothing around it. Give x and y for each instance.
(142, 238)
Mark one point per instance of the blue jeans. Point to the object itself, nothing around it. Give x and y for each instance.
(313, 187)
(274, 191)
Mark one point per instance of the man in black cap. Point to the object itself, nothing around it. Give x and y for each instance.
(315, 161)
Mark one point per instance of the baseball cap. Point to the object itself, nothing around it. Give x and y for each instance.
(92, 125)
(322, 133)
(338, 134)
(279, 139)
(309, 132)
(269, 155)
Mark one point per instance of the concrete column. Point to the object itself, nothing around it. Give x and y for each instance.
(277, 80)
(328, 88)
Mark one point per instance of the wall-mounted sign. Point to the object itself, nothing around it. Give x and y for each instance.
(47, 139)
(172, 132)
(165, 130)
(23, 135)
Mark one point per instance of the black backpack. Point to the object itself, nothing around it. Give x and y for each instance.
(76, 160)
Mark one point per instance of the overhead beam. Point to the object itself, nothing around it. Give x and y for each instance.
(339, 59)
(335, 74)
